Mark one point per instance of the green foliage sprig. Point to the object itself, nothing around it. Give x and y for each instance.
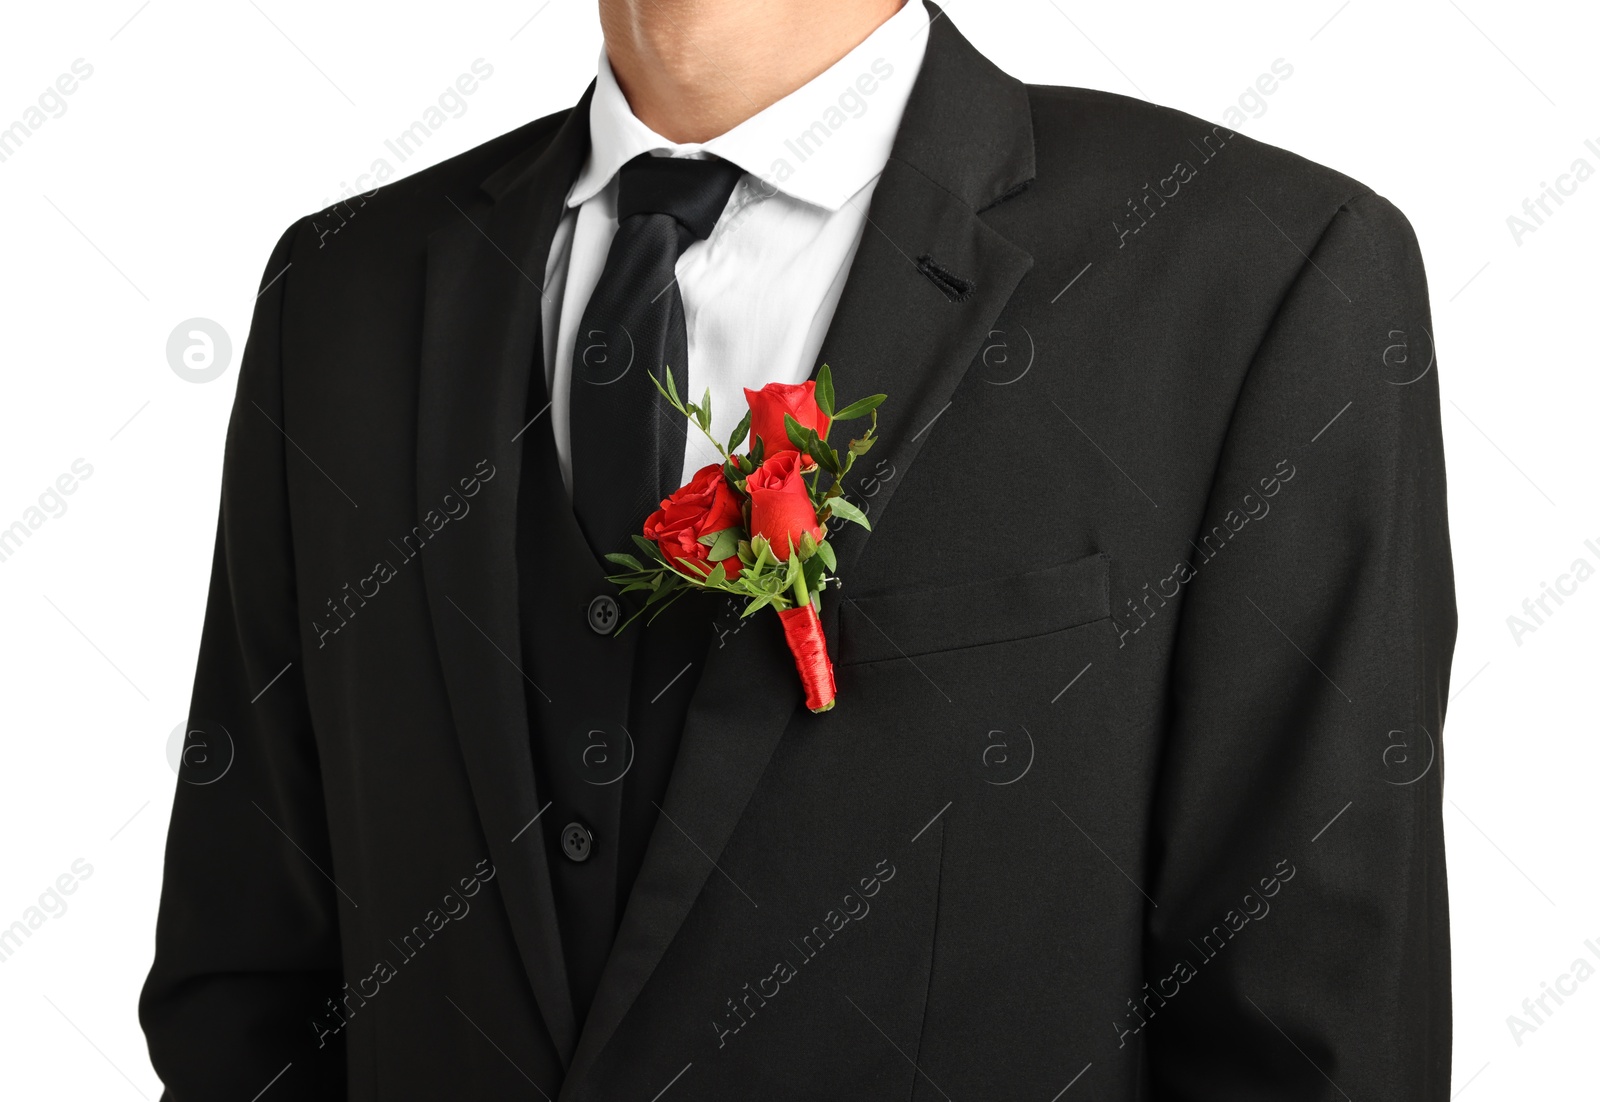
(764, 579)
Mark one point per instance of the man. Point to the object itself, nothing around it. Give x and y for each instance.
(1133, 785)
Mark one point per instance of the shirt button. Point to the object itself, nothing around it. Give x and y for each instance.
(576, 842)
(603, 614)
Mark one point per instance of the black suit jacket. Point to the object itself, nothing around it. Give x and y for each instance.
(1133, 783)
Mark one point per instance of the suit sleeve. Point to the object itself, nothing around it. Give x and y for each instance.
(1300, 945)
(247, 950)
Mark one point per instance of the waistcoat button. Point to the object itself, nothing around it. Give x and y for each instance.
(603, 614)
(576, 842)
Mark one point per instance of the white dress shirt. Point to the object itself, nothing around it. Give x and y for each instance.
(759, 293)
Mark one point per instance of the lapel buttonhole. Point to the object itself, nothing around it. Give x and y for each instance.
(955, 288)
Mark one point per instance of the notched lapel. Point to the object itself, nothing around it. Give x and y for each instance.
(481, 343)
(900, 333)
(931, 277)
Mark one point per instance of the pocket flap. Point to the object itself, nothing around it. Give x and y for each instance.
(904, 623)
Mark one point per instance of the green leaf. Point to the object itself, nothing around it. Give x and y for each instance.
(825, 553)
(807, 441)
(826, 457)
(724, 545)
(669, 396)
(813, 572)
(651, 550)
(861, 408)
(824, 391)
(717, 576)
(625, 560)
(797, 432)
(756, 606)
(862, 446)
(842, 508)
(692, 568)
(705, 411)
(672, 388)
(739, 433)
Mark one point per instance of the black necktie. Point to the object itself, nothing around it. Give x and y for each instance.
(627, 442)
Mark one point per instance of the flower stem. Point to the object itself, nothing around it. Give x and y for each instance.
(714, 442)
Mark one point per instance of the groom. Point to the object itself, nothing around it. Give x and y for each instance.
(1133, 785)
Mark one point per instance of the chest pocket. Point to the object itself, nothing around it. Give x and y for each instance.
(904, 623)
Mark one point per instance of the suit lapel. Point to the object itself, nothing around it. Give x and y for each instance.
(481, 345)
(965, 142)
(897, 333)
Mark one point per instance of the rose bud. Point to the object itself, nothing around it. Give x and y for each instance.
(706, 504)
(780, 502)
(768, 406)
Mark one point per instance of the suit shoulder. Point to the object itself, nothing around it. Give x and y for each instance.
(470, 167)
(1079, 129)
(399, 215)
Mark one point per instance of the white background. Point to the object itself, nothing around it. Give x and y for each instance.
(206, 128)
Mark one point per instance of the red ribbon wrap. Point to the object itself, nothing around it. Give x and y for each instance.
(802, 630)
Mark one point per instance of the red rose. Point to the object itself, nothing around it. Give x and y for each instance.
(705, 505)
(771, 402)
(780, 503)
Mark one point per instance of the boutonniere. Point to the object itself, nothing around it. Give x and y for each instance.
(755, 524)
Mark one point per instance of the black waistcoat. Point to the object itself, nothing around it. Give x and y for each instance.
(606, 709)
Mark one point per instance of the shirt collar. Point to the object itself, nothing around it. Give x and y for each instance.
(820, 144)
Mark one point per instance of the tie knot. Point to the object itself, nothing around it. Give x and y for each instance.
(692, 191)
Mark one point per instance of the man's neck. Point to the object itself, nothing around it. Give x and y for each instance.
(694, 69)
